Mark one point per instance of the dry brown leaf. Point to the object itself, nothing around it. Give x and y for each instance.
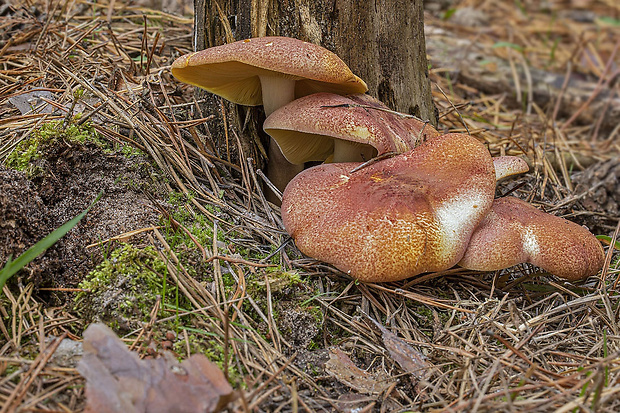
(344, 370)
(354, 402)
(409, 359)
(32, 102)
(118, 381)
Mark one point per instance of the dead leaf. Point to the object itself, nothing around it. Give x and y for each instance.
(409, 359)
(354, 402)
(344, 370)
(118, 381)
(32, 102)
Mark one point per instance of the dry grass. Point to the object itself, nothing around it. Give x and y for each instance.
(510, 341)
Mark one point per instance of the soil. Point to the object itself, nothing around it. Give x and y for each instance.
(24, 219)
(298, 327)
(599, 189)
(71, 177)
(564, 333)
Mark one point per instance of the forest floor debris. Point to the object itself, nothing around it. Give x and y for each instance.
(230, 285)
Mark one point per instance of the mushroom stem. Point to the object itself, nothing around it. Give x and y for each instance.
(277, 92)
(345, 151)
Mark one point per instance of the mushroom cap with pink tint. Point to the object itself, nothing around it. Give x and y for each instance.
(515, 232)
(306, 128)
(506, 166)
(232, 70)
(395, 218)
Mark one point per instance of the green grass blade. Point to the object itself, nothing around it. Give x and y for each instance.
(509, 45)
(607, 240)
(12, 267)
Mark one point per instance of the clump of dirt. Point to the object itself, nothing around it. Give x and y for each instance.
(68, 177)
(24, 219)
(299, 327)
(601, 185)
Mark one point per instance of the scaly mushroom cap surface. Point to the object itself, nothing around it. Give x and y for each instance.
(307, 128)
(232, 70)
(395, 218)
(516, 232)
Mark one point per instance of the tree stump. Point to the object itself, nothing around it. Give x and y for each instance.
(382, 42)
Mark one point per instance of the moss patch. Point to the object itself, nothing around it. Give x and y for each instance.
(124, 288)
(29, 150)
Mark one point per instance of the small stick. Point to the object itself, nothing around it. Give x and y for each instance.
(149, 59)
(237, 261)
(261, 196)
(270, 184)
(610, 253)
(374, 160)
(393, 112)
(286, 241)
(144, 46)
(453, 107)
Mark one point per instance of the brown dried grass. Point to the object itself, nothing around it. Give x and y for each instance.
(511, 341)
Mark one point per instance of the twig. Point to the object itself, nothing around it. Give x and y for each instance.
(393, 112)
(35, 369)
(374, 160)
(238, 261)
(454, 108)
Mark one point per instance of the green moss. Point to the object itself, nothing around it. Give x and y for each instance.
(316, 312)
(425, 314)
(284, 284)
(197, 224)
(21, 158)
(201, 343)
(130, 151)
(29, 150)
(280, 280)
(124, 288)
(10, 369)
(281, 283)
(71, 131)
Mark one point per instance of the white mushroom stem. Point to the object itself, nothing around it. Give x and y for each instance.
(345, 151)
(277, 92)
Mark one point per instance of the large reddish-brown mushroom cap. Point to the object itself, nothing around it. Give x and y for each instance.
(516, 232)
(309, 128)
(233, 70)
(395, 218)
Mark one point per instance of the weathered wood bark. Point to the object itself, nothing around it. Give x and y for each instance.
(382, 42)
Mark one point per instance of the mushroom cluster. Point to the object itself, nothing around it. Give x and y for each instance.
(268, 71)
(393, 197)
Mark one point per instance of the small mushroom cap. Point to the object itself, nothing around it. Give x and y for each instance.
(509, 165)
(516, 232)
(232, 70)
(395, 218)
(306, 128)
